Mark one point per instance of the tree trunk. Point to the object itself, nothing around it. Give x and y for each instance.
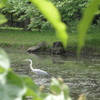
(26, 22)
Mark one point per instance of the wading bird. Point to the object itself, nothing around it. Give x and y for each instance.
(37, 71)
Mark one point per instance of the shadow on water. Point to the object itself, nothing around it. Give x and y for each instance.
(82, 75)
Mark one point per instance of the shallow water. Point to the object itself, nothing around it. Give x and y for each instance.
(82, 75)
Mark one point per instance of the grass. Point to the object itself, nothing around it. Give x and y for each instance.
(28, 38)
(17, 38)
(25, 38)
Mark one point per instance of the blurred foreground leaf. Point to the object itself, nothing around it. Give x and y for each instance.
(13, 88)
(59, 90)
(55, 86)
(82, 97)
(32, 88)
(3, 3)
(2, 70)
(4, 60)
(86, 20)
(53, 16)
(2, 19)
(4, 66)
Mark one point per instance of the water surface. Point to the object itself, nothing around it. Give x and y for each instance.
(82, 75)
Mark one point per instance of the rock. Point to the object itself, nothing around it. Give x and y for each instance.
(33, 49)
(41, 47)
(57, 48)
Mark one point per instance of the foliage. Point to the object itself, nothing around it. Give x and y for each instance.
(14, 39)
(86, 21)
(14, 87)
(10, 89)
(21, 10)
(2, 17)
(71, 10)
(26, 9)
(54, 19)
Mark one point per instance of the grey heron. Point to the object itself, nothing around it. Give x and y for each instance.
(37, 71)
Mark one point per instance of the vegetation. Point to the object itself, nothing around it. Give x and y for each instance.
(29, 16)
(83, 26)
(19, 38)
(23, 86)
(22, 11)
(16, 38)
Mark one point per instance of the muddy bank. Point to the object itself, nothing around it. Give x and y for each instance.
(57, 48)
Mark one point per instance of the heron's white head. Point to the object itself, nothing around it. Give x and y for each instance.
(30, 62)
(27, 60)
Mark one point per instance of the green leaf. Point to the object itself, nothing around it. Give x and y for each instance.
(2, 19)
(3, 2)
(66, 91)
(13, 88)
(53, 16)
(59, 90)
(82, 97)
(88, 16)
(33, 89)
(1, 5)
(4, 60)
(30, 84)
(55, 97)
(55, 86)
(4, 66)
(2, 70)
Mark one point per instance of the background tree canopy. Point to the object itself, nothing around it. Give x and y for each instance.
(23, 14)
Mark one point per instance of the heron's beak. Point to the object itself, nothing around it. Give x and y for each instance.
(24, 60)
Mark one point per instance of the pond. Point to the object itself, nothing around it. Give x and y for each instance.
(82, 75)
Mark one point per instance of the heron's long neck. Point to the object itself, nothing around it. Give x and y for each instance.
(31, 65)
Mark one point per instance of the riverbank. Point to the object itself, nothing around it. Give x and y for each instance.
(18, 39)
